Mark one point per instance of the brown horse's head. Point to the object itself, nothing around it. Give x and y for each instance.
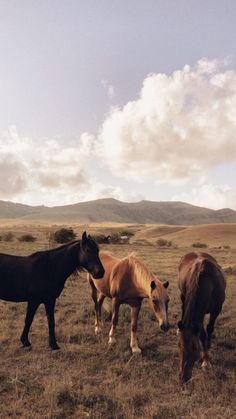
(159, 300)
(189, 349)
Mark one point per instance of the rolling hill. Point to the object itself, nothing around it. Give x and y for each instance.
(112, 210)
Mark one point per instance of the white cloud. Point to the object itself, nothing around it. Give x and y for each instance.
(181, 125)
(210, 196)
(48, 172)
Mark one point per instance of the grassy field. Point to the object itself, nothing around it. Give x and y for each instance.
(88, 379)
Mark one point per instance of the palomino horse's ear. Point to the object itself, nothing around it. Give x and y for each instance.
(166, 284)
(180, 325)
(153, 285)
(84, 236)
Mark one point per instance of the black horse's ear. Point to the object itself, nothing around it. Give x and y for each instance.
(195, 328)
(84, 236)
(89, 237)
(166, 284)
(153, 285)
(180, 325)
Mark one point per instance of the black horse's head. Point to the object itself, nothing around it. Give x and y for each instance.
(89, 256)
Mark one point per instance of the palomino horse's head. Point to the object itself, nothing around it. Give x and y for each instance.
(89, 257)
(189, 349)
(159, 300)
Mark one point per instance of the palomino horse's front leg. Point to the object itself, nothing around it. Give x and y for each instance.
(98, 320)
(115, 315)
(134, 323)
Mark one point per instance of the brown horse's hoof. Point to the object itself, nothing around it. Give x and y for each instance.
(206, 365)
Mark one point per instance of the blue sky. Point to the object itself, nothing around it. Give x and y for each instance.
(81, 99)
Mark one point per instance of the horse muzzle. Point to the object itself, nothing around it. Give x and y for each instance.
(165, 327)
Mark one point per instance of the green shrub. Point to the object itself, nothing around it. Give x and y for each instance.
(164, 243)
(199, 245)
(8, 237)
(27, 238)
(64, 235)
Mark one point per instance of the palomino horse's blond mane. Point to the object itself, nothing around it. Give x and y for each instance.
(142, 274)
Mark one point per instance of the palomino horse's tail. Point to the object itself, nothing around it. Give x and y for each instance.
(198, 270)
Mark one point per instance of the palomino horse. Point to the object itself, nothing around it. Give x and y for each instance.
(128, 281)
(202, 286)
(40, 278)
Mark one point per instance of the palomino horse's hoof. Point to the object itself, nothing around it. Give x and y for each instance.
(111, 341)
(98, 330)
(206, 365)
(136, 351)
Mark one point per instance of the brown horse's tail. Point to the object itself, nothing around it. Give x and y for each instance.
(200, 267)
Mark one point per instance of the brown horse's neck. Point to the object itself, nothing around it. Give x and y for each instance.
(142, 276)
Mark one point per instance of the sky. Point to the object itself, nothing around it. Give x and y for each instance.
(118, 99)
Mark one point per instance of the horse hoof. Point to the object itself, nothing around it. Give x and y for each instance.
(27, 347)
(55, 351)
(111, 341)
(177, 332)
(136, 351)
(206, 365)
(98, 330)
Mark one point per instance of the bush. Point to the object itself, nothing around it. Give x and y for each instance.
(127, 233)
(8, 237)
(164, 243)
(27, 238)
(64, 235)
(199, 245)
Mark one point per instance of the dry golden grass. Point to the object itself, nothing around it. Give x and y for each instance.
(88, 379)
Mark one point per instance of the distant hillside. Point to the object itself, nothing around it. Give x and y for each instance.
(112, 210)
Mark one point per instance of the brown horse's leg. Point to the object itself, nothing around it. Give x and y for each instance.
(134, 323)
(205, 356)
(115, 314)
(50, 307)
(100, 300)
(31, 310)
(210, 326)
(95, 300)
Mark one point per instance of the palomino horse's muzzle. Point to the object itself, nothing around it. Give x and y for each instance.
(165, 327)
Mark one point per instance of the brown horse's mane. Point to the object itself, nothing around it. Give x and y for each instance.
(191, 291)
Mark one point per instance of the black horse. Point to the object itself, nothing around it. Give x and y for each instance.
(40, 278)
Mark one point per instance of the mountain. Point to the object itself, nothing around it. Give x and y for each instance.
(112, 210)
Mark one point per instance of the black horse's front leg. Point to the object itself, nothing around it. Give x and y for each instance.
(31, 310)
(50, 307)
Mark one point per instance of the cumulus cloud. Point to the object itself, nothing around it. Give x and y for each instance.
(181, 125)
(210, 196)
(48, 172)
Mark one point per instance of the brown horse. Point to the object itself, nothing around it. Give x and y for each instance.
(202, 286)
(128, 281)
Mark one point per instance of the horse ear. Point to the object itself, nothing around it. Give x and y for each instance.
(180, 325)
(84, 236)
(153, 285)
(166, 284)
(89, 237)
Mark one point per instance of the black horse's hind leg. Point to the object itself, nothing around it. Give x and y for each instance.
(49, 307)
(31, 310)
